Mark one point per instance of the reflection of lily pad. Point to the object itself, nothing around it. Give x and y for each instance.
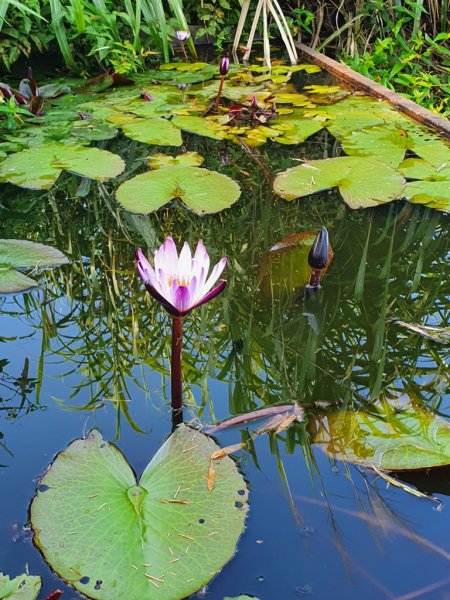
(161, 538)
(23, 587)
(22, 254)
(362, 182)
(201, 190)
(39, 168)
(284, 269)
(188, 159)
(391, 439)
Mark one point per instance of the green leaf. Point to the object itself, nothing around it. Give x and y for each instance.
(434, 189)
(389, 438)
(362, 182)
(39, 168)
(296, 129)
(201, 190)
(206, 126)
(159, 131)
(188, 159)
(16, 254)
(435, 334)
(164, 537)
(23, 587)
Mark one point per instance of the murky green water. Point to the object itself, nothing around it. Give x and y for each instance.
(90, 349)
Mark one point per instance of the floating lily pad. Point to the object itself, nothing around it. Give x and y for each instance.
(391, 438)
(188, 159)
(201, 190)
(389, 142)
(22, 254)
(362, 182)
(164, 537)
(296, 129)
(285, 269)
(434, 189)
(23, 587)
(157, 131)
(39, 168)
(206, 126)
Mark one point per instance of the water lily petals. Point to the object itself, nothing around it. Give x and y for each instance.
(180, 283)
(166, 258)
(145, 269)
(182, 299)
(215, 274)
(212, 294)
(184, 271)
(172, 310)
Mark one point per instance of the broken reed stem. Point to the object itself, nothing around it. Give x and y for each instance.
(219, 91)
(176, 378)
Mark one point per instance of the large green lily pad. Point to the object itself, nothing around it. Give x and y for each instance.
(201, 190)
(22, 254)
(162, 538)
(156, 131)
(390, 438)
(187, 159)
(39, 168)
(23, 587)
(362, 182)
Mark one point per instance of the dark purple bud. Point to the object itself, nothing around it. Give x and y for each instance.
(318, 255)
(254, 103)
(224, 66)
(147, 96)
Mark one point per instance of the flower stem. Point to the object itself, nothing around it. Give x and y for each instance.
(183, 49)
(176, 374)
(219, 91)
(314, 280)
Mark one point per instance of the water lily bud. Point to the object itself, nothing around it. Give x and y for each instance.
(224, 66)
(182, 35)
(254, 103)
(318, 255)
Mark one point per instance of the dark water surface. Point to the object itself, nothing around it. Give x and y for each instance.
(90, 349)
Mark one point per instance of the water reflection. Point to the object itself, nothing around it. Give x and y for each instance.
(105, 339)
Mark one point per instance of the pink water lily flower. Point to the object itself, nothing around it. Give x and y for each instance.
(180, 283)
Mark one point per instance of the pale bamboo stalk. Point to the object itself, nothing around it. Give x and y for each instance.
(240, 25)
(286, 28)
(284, 35)
(253, 31)
(266, 41)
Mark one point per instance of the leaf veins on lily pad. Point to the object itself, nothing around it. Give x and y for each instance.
(22, 254)
(391, 438)
(39, 168)
(23, 587)
(201, 190)
(362, 182)
(163, 537)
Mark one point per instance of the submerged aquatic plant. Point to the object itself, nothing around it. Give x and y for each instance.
(180, 284)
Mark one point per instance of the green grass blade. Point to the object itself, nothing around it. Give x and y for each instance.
(177, 9)
(58, 15)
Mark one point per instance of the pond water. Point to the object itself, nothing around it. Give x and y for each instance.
(89, 348)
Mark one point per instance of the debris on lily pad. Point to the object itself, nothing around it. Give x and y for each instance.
(25, 255)
(165, 536)
(22, 587)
